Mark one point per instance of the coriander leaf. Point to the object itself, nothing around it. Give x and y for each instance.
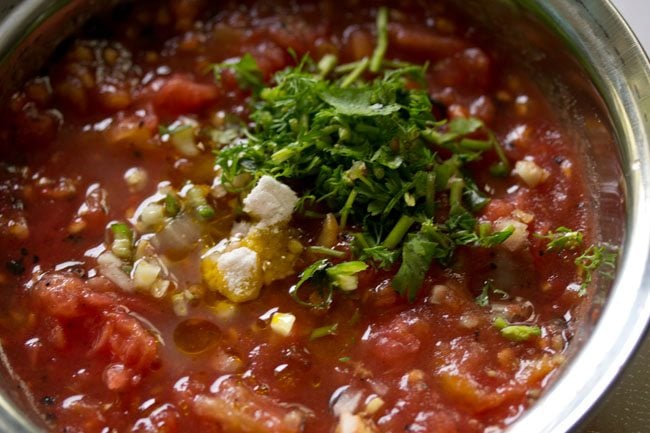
(367, 151)
(380, 255)
(597, 258)
(326, 277)
(483, 299)
(344, 275)
(347, 268)
(465, 126)
(562, 238)
(497, 238)
(314, 271)
(357, 102)
(418, 252)
(246, 71)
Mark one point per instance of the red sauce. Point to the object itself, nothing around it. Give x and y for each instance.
(94, 358)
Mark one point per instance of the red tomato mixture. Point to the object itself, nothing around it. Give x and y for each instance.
(113, 221)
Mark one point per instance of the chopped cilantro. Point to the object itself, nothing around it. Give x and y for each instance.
(500, 323)
(360, 140)
(381, 256)
(246, 71)
(519, 333)
(516, 333)
(596, 258)
(483, 299)
(417, 255)
(323, 251)
(562, 238)
(323, 331)
(325, 277)
(172, 205)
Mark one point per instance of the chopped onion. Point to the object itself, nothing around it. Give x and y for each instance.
(345, 401)
(177, 238)
(438, 294)
(153, 214)
(159, 288)
(217, 190)
(145, 273)
(111, 267)
(282, 323)
(179, 304)
(531, 173)
(224, 309)
(373, 404)
(182, 136)
(136, 178)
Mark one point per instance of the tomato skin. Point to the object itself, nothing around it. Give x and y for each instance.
(393, 342)
(180, 94)
(129, 349)
(60, 295)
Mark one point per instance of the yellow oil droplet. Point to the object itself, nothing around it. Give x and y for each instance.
(194, 336)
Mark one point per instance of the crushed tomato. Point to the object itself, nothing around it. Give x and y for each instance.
(97, 358)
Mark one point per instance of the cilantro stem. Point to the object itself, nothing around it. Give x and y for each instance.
(398, 232)
(344, 134)
(366, 129)
(502, 168)
(484, 230)
(323, 331)
(347, 67)
(172, 206)
(382, 40)
(282, 155)
(329, 129)
(356, 73)
(327, 65)
(456, 193)
(122, 245)
(362, 240)
(196, 200)
(473, 144)
(326, 251)
(347, 207)
(430, 199)
(312, 214)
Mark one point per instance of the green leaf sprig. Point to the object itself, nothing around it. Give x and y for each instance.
(597, 258)
(361, 140)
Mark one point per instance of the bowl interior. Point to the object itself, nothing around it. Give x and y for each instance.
(592, 69)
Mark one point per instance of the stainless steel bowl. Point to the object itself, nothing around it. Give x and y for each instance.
(590, 65)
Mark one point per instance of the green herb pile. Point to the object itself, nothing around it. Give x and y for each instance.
(373, 153)
(360, 140)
